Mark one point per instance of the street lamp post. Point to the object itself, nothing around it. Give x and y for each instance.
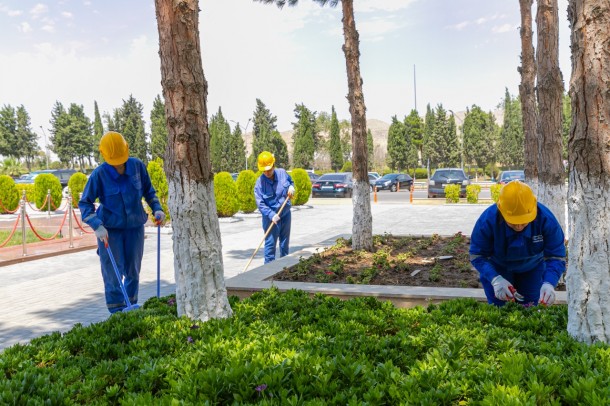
(245, 129)
(46, 147)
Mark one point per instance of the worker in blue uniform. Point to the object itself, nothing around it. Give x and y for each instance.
(518, 247)
(272, 188)
(119, 183)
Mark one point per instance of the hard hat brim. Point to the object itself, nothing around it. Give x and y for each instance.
(522, 219)
(118, 160)
(265, 168)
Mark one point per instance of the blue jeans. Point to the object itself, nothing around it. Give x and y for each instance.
(527, 283)
(279, 231)
(127, 247)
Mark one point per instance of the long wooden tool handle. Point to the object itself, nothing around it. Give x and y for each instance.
(266, 234)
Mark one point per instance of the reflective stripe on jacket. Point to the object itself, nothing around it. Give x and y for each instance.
(495, 245)
(120, 196)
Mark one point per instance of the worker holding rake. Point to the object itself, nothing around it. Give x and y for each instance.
(273, 191)
(119, 183)
(517, 246)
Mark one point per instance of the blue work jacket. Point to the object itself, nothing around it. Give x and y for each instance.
(120, 196)
(271, 194)
(494, 245)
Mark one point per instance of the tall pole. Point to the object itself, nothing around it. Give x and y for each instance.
(46, 147)
(414, 87)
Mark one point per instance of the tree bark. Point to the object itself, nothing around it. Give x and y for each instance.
(198, 267)
(362, 225)
(551, 172)
(527, 93)
(588, 276)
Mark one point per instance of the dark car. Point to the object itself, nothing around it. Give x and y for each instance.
(447, 176)
(372, 179)
(312, 176)
(507, 176)
(63, 175)
(333, 184)
(392, 181)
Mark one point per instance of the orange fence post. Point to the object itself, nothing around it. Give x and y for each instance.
(397, 186)
(375, 194)
(411, 193)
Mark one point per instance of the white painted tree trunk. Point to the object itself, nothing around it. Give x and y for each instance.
(362, 225)
(588, 276)
(198, 267)
(553, 197)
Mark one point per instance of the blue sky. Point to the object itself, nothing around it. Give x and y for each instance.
(77, 51)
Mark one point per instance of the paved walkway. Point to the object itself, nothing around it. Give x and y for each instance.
(41, 296)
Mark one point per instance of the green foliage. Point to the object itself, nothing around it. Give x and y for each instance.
(566, 122)
(158, 129)
(42, 184)
(304, 137)
(245, 191)
(225, 193)
(495, 192)
(293, 348)
(264, 124)
(71, 134)
(302, 185)
(397, 146)
(9, 196)
(11, 167)
(159, 182)
(440, 142)
(76, 184)
(334, 147)
(511, 145)
(420, 173)
(480, 137)
(452, 193)
(370, 149)
(129, 121)
(220, 142)
(347, 166)
(472, 193)
(28, 188)
(98, 132)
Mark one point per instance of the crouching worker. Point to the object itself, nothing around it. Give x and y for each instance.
(518, 248)
(119, 184)
(271, 190)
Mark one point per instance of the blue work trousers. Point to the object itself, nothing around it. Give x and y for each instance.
(279, 231)
(127, 247)
(526, 283)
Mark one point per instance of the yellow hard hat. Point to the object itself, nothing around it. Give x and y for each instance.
(114, 148)
(517, 203)
(266, 160)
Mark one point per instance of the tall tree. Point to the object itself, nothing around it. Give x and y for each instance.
(63, 141)
(551, 172)
(8, 132)
(237, 152)
(279, 149)
(27, 144)
(262, 130)
(303, 136)
(98, 132)
(220, 142)
(510, 149)
(200, 287)
(527, 93)
(427, 147)
(346, 139)
(588, 274)
(362, 225)
(370, 147)
(478, 132)
(442, 143)
(397, 146)
(132, 113)
(334, 146)
(158, 129)
(80, 134)
(414, 132)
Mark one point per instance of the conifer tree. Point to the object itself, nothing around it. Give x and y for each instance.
(304, 134)
(414, 130)
(263, 128)
(8, 132)
(220, 142)
(428, 149)
(237, 151)
(511, 146)
(98, 132)
(132, 112)
(279, 149)
(80, 135)
(158, 129)
(334, 148)
(397, 146)
(27, 145)
(370, 148)
(479, 130)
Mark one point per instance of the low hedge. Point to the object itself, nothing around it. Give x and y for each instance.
(9, 195)
(225, 193)
(302, 186)
(472, 193)
(76, 184)
(245, 190)
(495, 192)
(294, 348)
(452, 193)
(42, 184)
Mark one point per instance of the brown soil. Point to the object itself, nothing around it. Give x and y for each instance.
(406, 261)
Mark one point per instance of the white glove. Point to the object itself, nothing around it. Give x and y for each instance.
(502, 288)
(275, 219)
(290, 191)
(547, 294)
(102, 234)
(159, 217)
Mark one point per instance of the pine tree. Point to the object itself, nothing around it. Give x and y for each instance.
(131, 112)
(8, 132)
(479, 132)
(27, 144)
(98, 132)
(304, 134)
(61, 140)
(397, 146)
(511, 146)
(220, 142)
(370, 148)
(336, 157)
(237, 152)
(279, 149)
(414, 130)
(158, 129)
(428, 150)
(346, 140)
(263, 128)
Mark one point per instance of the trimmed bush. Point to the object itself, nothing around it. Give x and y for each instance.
(245, 191)
(472, 193)
(420, 173)
(452, 193)
(347, 166)
(76, 184)
(495, 192)
(9, 196)
(42, 184)
(28, 188)
(159, 182)
(302, 186)
(225, 193)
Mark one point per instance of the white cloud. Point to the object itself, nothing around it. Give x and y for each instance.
(9, 12)
(67, 14)
(499, 29)
(87, 3)
(25, 27)
(381, 5)
(38, 10)
(48, 28)
(459, 26)
(483, 20)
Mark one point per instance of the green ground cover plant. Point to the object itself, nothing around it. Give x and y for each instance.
(293, 348)
(17, 239)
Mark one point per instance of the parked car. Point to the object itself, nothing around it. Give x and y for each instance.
(447, 176)
(313, 176)
(372, 180)
(507, 176)
(333, 184)
(391, 182)
(29, 178)
(63, 175)
(234, 176)
(375, 174)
